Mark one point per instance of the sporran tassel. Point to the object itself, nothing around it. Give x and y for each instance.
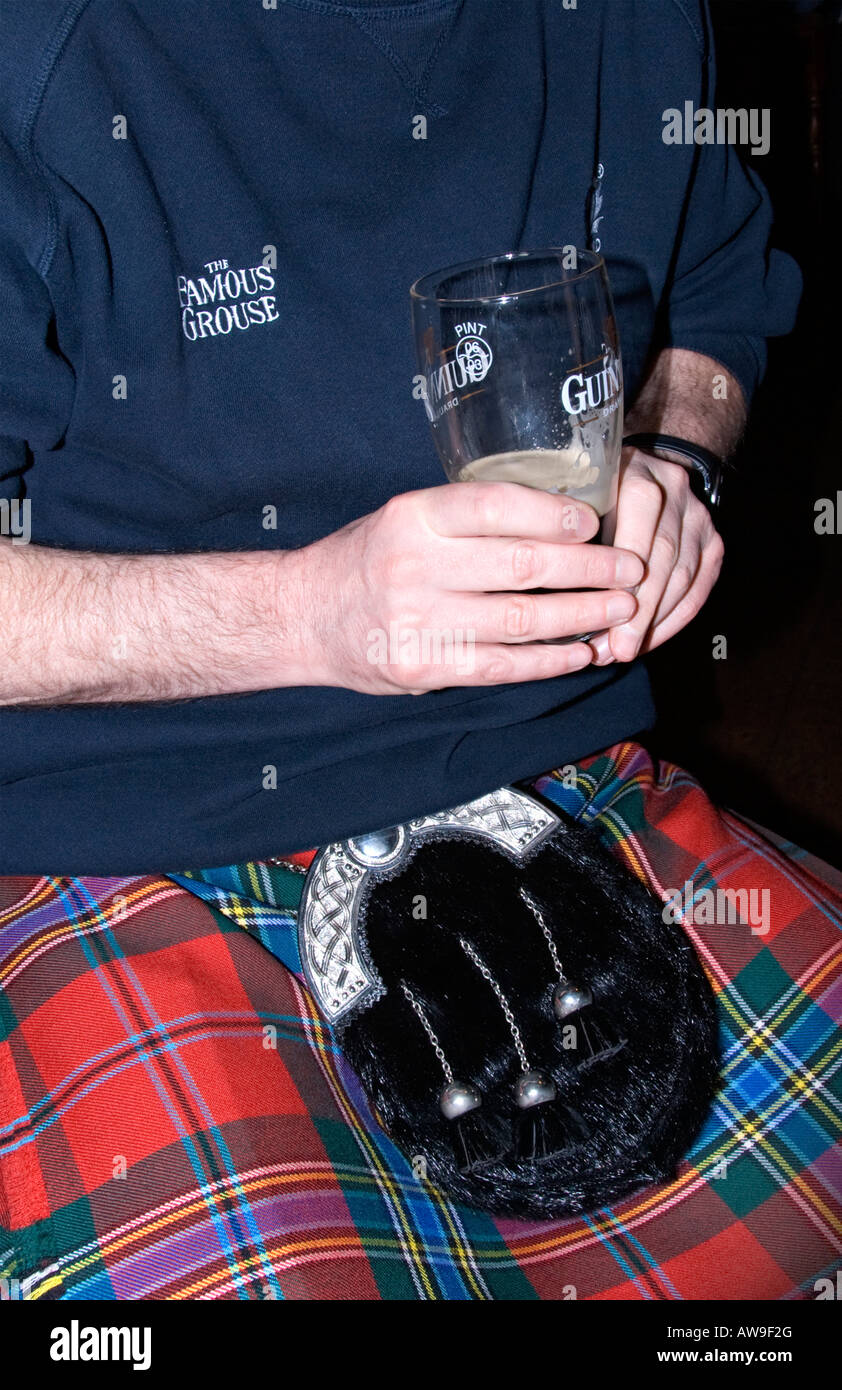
(474, 1145)
(595, 1035)
(539, 1133)
(573, 1004)
(539, 1127)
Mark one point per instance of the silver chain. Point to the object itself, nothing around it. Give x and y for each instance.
(504, 1003)
(425, 1024)
(539, 918)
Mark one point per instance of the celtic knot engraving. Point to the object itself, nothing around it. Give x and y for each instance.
(331, 952)
(329, 956)
(501, 816)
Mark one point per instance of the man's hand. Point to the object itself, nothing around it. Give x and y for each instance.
(460, 559)
(468, 557)
(659, 519)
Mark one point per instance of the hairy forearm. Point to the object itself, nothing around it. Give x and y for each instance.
(691, 396)
(86, 627)
(81, 627)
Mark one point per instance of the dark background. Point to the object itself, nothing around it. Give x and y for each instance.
(761, 729)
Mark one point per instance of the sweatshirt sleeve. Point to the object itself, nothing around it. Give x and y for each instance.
(730, 290)
(36, 381)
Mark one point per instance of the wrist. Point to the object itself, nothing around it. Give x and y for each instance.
(299, 608)
(692, 397)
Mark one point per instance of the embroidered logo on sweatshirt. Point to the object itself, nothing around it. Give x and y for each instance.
(223, 300)
(595, 209)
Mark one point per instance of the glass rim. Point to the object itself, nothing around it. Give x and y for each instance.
(417, 289)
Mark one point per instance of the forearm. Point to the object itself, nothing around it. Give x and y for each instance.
(81, 627)
(693, 397)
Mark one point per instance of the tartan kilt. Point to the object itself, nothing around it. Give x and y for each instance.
(177, 1123)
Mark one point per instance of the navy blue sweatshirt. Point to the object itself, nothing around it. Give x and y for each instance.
(242, 259)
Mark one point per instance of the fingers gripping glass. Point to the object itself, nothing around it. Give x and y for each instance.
(521, 373)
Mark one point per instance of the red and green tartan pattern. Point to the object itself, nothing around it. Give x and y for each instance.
(177, 1123)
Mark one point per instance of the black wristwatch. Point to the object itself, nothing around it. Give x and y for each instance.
(707, 471)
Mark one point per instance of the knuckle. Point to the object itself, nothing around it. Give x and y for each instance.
(684, 575)
(393, 511)
(665, 548)
(409, 621)
(597, 568)
(677, 478)
(398, 569)
(526, 562)
(520, 616)
(642, 490)
(490, 503)
(581, 612)
(408, 675)
(495, 669)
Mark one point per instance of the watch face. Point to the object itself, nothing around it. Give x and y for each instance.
(715, 493)
(706, 482)
(702, 485)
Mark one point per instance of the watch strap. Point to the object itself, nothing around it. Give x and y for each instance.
(709, 468)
